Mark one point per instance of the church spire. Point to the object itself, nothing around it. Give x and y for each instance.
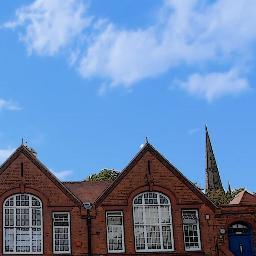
(213, 181)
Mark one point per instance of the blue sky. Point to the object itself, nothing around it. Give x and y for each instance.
(84, 82)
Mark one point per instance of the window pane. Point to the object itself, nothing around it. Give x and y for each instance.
(115, 238)
(114, 220)
(153, 237)
(167, 242)
(22, 240)
(36, 217)
(138, 215)
(138, 200)
(191, 229)
(163, 200)
(36, 240)
(115, 231)
(9, 217)
(165, 214)
(150, 198)
(61, 219)
(22, 217)
(9, 239)
(35, 202)
(61, 232)
(140, 237)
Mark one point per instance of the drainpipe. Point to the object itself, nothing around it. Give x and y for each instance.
(89, 233)
(88, 207)
(217, 248)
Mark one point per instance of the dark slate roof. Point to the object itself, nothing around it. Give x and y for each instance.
(87, 191)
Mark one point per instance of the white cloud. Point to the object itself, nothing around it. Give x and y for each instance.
(50, 25)
(9, 105)
(215, 85)
(187, 34)
(62, 175)
(5, 153)
(125, 57)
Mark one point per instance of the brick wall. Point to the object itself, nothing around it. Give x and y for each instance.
(163, 180)
(36, 182)
(135, 179)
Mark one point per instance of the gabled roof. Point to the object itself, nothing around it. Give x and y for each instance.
(244, 198)
(149, 148)
(29, 154)
(88, 191)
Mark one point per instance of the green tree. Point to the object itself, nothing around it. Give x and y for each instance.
(220, 197)
(104, 175)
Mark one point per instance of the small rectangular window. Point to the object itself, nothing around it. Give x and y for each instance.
(61, 232)
(191, 230)
(115, 231)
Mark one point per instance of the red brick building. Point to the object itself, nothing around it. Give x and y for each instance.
(150, 209)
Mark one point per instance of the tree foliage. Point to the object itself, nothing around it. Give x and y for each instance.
(220, 197)
(104, 175)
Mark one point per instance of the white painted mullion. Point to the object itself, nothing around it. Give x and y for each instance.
(30, 222)
(198, 230)
(15, 227)
(69, 237)
(171, 225)
(41, 228)
(122, 229)
(144, 221)
(53, 239)
(160, 221)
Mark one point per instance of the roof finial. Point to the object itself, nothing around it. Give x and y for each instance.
(22, 141)
(146, 140)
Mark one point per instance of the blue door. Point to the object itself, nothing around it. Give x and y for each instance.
(240, 239)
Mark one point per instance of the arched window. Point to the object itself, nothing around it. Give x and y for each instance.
(22, 219)
(152, 222)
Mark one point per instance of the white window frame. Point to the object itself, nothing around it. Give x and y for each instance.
(114, 214)
(53, 231)
(159, 225)
(189, 249)
(30, 227)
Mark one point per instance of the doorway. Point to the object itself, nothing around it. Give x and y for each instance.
(240, 239)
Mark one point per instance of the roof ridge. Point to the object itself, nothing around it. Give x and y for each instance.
(98, 181)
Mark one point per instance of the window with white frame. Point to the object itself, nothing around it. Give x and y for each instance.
(191, 230)
(61, 232)
(152, 222)
(23, 229)
(115, 231)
